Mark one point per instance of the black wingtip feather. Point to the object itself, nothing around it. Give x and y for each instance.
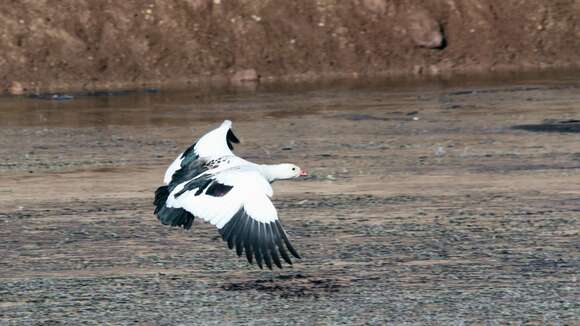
(256, 232)
(278, 239)
(258, 256)
(285, 238)
(231, 138)
(264, 243)
(275, 257)
(161, 195)
(175, 217)
(170, 216)
(244, 229)
(249, 252)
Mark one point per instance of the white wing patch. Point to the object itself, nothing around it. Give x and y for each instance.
(214, 144)
(175, 165)
(250, 191)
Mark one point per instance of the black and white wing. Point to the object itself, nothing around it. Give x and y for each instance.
(237, 201)
(215, 144)
(189, 165)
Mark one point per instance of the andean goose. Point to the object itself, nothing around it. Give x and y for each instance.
(210, 182)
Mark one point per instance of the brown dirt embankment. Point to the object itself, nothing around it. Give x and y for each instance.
(107, 44)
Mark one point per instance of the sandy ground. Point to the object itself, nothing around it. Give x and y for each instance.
(441, 204)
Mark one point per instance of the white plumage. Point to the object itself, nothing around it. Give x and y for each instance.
(208, 181)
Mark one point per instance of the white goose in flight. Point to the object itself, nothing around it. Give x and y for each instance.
(210, 182)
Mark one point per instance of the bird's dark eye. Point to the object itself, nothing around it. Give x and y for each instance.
(293, 169)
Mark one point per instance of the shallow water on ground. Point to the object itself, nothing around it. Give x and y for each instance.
(440, 202)
(155, 108)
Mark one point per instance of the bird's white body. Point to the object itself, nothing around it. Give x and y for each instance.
(253, 193)
(210, 182)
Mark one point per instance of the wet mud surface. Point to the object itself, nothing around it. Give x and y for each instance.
(427, 205)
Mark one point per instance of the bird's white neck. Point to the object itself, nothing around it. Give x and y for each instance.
(274, 172)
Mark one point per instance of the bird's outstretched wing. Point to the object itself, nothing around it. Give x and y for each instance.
(214, 144)
(237, 201)
(190, 164)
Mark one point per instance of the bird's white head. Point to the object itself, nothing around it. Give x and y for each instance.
(283, 171)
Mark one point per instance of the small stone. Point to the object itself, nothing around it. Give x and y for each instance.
(425, 31)
(417, 70)
(377, 6)
(16, 88)
(246, 75)
(434, 70)
(440, 151)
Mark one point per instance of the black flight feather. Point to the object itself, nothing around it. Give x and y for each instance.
(257, 237)
(170, 216)
(266, 243)
(285, 238)
(249, 251)
(273, 252)
(217, 189)
(231, 138)
(278, 239)
(161, 195)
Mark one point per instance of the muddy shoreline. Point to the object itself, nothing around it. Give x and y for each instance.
(426, 205)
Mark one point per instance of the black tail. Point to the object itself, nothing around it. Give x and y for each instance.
(168, 215)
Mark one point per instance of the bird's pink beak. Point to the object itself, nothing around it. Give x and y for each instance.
(303, 173)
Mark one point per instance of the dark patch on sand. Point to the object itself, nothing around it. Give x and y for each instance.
(286, 286)
(564, 126)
